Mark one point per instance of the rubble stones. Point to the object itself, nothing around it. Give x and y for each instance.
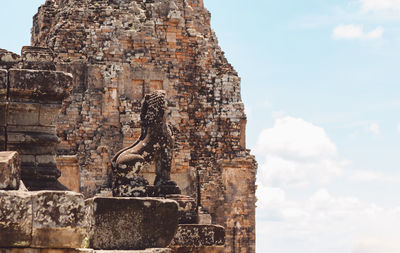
(10, 170)
(131, 223)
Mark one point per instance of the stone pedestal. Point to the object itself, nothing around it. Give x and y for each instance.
(131, 223)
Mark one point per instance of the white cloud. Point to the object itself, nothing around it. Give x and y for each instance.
(325, 223)
(289, 219)
(380, 5)
(374, 128)
(373, 176)
(377, 244)
(398, 127)
(296, 153)
(356, 32)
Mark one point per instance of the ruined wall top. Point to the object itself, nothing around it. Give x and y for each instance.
(98, 31)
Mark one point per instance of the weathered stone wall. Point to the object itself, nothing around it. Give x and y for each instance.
(118, 50)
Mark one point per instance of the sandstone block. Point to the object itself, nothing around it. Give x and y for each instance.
(131, 223)
(39, 85)
(15, 219)
(10, 170)
(199, 235)
(37, 58)
(58, 219)
(32, 143)
(25, 114)
(48, 113)
(8, 59)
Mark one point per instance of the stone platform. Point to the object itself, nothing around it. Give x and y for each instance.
(131, 223)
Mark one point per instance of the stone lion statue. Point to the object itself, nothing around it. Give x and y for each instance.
(154, 144)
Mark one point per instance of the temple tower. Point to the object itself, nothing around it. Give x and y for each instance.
(119, 50)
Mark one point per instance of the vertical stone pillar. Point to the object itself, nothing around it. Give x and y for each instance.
(34, 100)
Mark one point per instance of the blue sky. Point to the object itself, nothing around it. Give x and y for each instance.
(320, 83)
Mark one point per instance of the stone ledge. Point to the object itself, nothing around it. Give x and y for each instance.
(39, 85)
